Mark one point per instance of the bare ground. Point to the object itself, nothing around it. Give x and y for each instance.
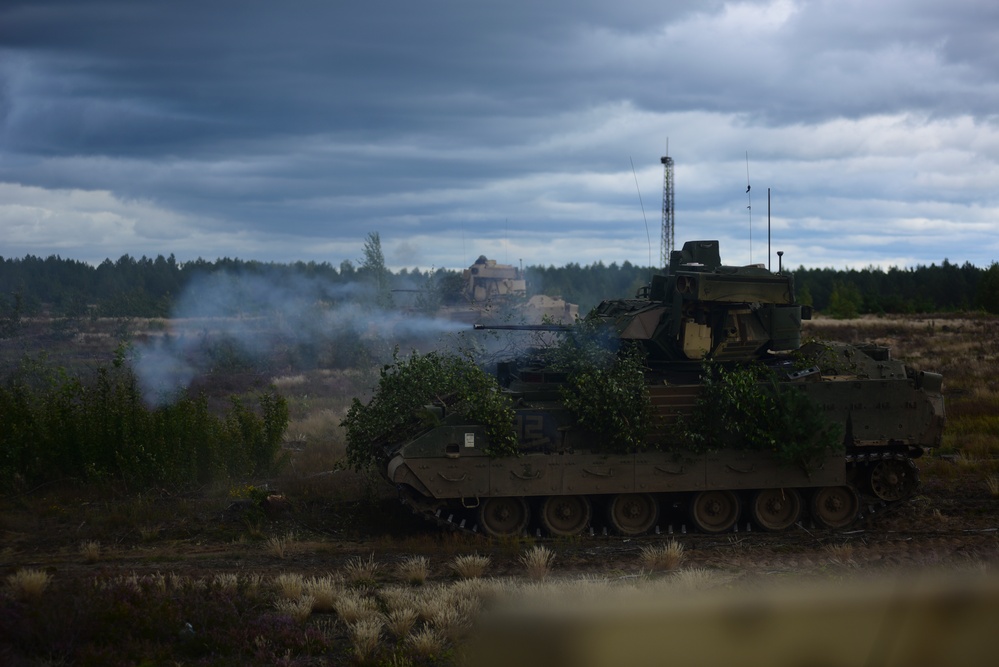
(952, 524)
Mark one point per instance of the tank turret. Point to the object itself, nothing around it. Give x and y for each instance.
(701, 309)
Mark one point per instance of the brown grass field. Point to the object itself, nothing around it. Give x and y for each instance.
(334, 571)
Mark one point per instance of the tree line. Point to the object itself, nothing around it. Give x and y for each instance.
(149, 287)
(946, 287)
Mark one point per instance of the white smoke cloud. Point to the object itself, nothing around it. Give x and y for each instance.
(257, 317)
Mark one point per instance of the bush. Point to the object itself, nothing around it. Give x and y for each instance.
(57, 426)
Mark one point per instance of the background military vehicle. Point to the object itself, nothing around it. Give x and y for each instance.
(496, 293)
(563, 482)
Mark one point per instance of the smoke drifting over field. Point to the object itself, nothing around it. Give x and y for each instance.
(226, 320)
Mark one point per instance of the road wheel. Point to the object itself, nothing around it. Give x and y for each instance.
(893, 480)
(714, 511)
(503, 517)
(565, 515)
(776, 509)
(633, 513)
(835, 506)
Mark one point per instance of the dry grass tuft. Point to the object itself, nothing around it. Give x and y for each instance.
(279, 546)
(325, 591)
(414, 570)
(149, 533)
(966, 460)
(398, 597)
(939, 518)
(176, 581)
(432, 600)
(538, 561)
(299, 609)
(400, 622)
(327, 627)
(91, 551)
(426, 643)
(452, 622)
(364, 636)
(992, 484)
(225, 581)
(841, 553)
(28, 584)
(483, 590)
(667, 556)
(449, 612)
(125, 581)
(360, 571)
(158, 582)
(470, 566)
(290, 585)
(693, 579)
(352, 608)
(251, 587)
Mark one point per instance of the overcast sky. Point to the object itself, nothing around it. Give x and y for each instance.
(289, 131)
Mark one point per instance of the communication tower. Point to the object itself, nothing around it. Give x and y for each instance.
(667, 241)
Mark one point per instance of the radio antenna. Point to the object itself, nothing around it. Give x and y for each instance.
(642, 204)
(749, 199)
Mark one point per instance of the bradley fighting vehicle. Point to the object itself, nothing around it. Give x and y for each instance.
(699, 310)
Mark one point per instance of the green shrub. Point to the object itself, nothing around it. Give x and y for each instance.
(58, 426)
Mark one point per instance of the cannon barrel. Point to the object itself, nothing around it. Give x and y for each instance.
(522, 327)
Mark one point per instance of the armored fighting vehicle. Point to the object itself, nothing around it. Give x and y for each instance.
(700, 313)
(494, 293)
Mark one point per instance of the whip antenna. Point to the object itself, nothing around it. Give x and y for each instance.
(749, 198)
(642, 204)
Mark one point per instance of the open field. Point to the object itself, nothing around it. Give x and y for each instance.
(320, 566)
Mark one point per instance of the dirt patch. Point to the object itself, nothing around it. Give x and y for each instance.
(952, 522)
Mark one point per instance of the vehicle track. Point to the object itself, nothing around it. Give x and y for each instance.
(869, 522)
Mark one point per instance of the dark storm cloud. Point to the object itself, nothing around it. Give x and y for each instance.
(286, 131)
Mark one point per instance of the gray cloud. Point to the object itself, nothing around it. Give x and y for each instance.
(452, 128)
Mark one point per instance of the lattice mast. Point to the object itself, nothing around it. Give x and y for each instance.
(668, 222)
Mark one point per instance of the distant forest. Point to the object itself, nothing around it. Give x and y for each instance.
(144, 287)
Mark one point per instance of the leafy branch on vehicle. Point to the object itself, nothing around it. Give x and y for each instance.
(396, 412)
(606, 389)
(748, 408)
